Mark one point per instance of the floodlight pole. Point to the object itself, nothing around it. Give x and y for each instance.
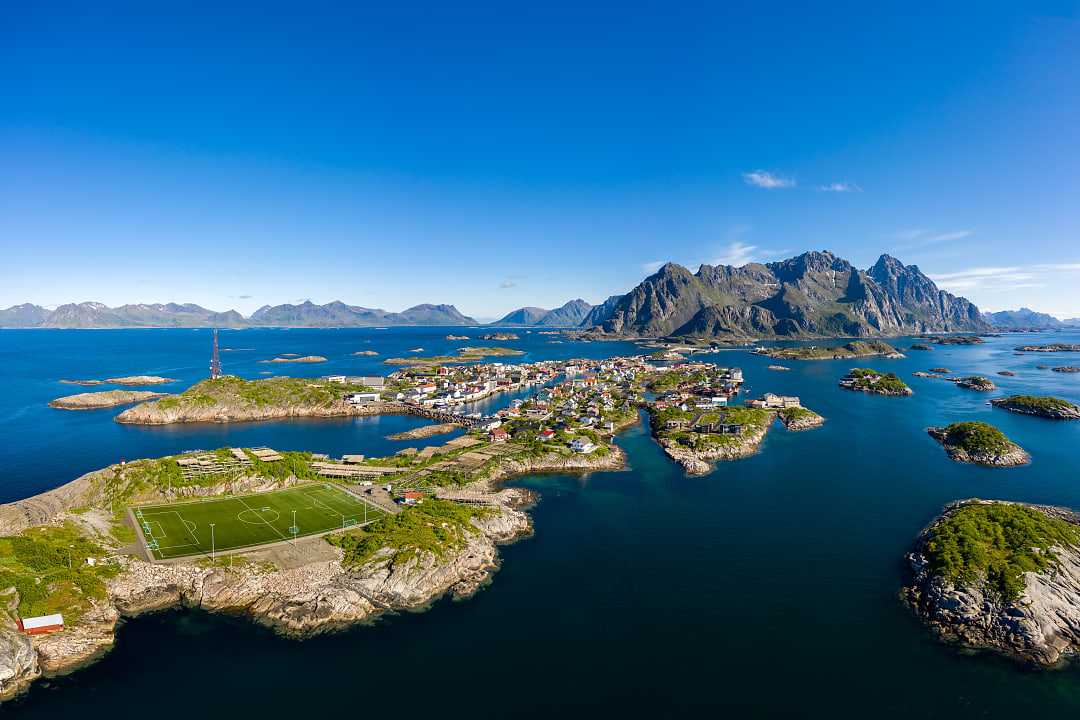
(213, 546)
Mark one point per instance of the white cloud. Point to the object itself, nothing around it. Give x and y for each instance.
(911, 239)
(507, 284)
(652, 266)
(839, 187)
(737, 253)
(767, 180)
(1003, 279)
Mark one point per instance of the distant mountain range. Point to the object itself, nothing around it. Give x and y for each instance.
(1025, 318)
(572, 314)
(816, 294)
(306, 314)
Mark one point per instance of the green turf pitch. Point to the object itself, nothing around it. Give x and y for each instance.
(180, 529)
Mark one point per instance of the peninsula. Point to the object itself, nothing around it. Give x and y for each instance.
(1002, 577)
(980, 443)
(131, 538)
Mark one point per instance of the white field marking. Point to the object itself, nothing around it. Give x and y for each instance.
(340, 514)
(263, 519)
(259, 515)
(150, 525)
(188, 525)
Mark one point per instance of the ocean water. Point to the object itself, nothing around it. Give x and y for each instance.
(767, 588)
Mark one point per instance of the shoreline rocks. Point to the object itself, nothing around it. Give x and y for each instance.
(979, 443)
(290, 359)
(299, 602)
(1040, 627)
(104, 399)
(1044, 407)
(700, 462)
(975, 382)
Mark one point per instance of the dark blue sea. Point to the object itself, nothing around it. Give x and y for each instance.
(767, 588)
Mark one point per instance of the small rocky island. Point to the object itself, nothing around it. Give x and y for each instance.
(297, 359)
(956, 340)
(1052, 347)
(979, 443)
(500, 336)
(854, 349)
(1043, 406)
(1002, 577)
(105, 399)
(976, 382)
(465, 356)
(871, 381)
(1066, 369)
(365, 353)
(125, 380)
(921, 346)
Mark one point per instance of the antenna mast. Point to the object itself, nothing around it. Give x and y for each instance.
(215, 362)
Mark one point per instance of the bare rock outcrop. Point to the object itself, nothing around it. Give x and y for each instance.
(1041, 627)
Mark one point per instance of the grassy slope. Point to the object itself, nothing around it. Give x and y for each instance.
(999, 542)
(36, 564)
(436, 526)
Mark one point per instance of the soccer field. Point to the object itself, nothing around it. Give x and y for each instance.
(180, 529)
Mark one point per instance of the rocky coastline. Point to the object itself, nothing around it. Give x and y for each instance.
(425, 431)
(700, 462)
(798, 419)
(155, 414)
(1004, 454)
(297, 600)
(1044, 407)
(1040, 627)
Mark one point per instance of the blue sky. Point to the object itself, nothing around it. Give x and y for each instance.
(494, 156)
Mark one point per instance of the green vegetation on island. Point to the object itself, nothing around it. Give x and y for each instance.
(997, 542)
(1039, 405)
(465, 356)
(977, 437)
(48, 568)
(854, 349)
(979, 442)
(435, 526)
(233, 398)
(872, 381)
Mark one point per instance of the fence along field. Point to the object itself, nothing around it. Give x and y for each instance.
(180, 529)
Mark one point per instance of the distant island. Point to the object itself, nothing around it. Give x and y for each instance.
(975, 382)
(1052, 347)
(979, 443)
(297, 359)
(1040, 406)
(876, 383)
(465, 356)
(856, 349)
(126, 380)
(107, 398)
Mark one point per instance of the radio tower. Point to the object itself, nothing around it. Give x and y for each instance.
(215, 362)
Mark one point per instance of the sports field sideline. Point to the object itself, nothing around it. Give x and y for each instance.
(179, 529)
